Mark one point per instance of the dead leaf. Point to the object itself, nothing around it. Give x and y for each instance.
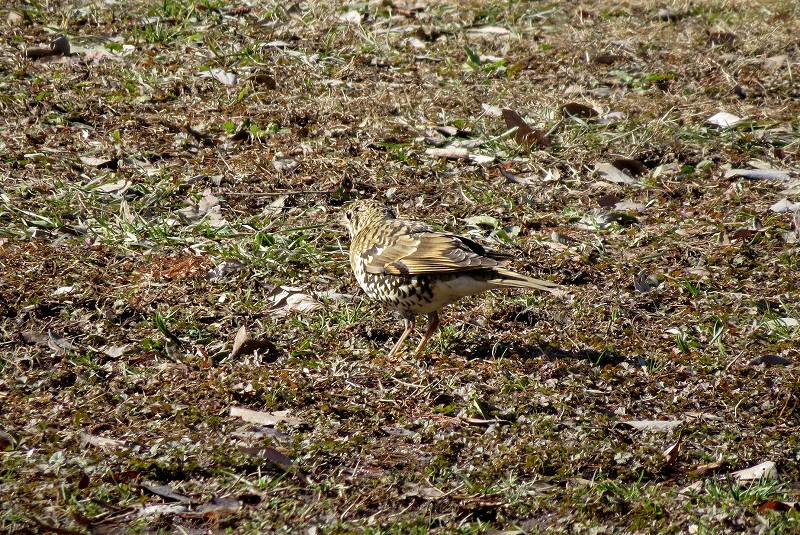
(244, 345)
(705, 469)
(59, 47)
(660, 426)
(207, 211)
(781, 323)
(277, 458)
(630, 166)
(116, 352)
(35, 337)
(643, 282)
(61, 346)
(524, 134)
(265, 80)
(773, 63)
(285, 165)
(724, 120)
(113, 188)
(769, 360)
(489, 31)
(784, 205)
(672, 452)
(100, 163)
(758, 174)
(102, 442)
(450, 153)
(765, 470)
(224, 268)
(492, 111)
(265, 418)
(286, 299)
(351, 17)
(216, 508)
(581, 111)
(7, 442)
(781, 507)
(422, 491)
(222, 76)
(166, 492)
(611, 173)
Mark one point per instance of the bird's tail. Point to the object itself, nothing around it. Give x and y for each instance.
(510, 279)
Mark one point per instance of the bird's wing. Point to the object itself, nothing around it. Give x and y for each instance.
(407, 248)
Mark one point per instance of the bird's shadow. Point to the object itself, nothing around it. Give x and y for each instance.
(496, 350)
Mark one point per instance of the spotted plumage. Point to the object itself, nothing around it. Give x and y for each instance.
(415, 269)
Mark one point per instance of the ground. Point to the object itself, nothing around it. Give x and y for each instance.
(184, 348)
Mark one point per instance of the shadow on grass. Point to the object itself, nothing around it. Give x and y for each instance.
(495, 350)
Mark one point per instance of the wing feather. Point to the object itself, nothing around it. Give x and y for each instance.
(409, 248)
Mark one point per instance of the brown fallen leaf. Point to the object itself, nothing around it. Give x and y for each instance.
(59, 47)
(774, 505)
(102, 442)
(524, 134)
(769, 360)
(705, 469)
(581, 111)
(218, 507)
(166, 492)
(672, 452)
(243, 344)
(631, 166)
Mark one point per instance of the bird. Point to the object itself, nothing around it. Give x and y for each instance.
(415, 269)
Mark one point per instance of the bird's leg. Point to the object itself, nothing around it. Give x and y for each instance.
(409, 318)
(433, 324)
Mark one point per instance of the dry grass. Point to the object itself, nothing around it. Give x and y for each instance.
(116, 374)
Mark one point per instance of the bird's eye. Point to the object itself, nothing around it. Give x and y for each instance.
(349, 215)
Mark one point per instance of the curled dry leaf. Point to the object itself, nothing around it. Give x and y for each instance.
(207, 210)
(244, 345)
(287, 299)
(7, 441)
(630, 166)
(265, 80)
(705, 469)
(781, 507)
(672, 452)
(769, 360)
(524, 134)
(59, 47)
(581, 111)
(225, 267)
(100, 163)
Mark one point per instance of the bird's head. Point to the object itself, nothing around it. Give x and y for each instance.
(363, 213)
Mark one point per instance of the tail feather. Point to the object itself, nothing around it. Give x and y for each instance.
(510, 279)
